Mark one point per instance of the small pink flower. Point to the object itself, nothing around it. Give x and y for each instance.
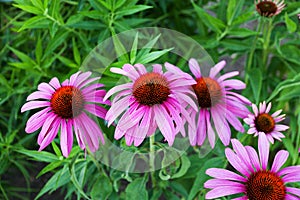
(269, 8)
(256, 180)
(218, 105)
(65, 107)
(262, 121)
(151, 100)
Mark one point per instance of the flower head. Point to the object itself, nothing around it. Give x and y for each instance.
(218, 105)
(262, 121)
(256, 180)
(151, 100)
(65, 108)
(269, 8)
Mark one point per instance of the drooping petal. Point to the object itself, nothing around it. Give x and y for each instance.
(194, 67)
(263, 148)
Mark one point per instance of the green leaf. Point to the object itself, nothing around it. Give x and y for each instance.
(42, 156)
(56, 149)
(292, 82)
(76, 53)
(136, 190)
(38, 50)
(291, 25)
(38, 4)
(51, 166)
(67, 62)
(35, 22)
(134, 49)
(22, 56)
(153, 56)
(59, 179)
(230, 11)
(255, 77)
(185, 165)
(241, 32)
(243, 18)
(211, 22)
(104, 183)
(132, 10)
(201, 177)
(30, 9)
(120, 49)
(235, 44)
(55, 42)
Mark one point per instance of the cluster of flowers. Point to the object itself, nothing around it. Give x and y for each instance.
(171, 101)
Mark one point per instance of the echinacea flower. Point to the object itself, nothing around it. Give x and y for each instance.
(269, 8)
(65, 108)
(152, 99)
(262, 121)
(257, 181)
(218, 105)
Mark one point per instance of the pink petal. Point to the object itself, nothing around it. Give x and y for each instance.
(253, 157)
(131, 71)
(88, 81)
(45, 87)
(279, 160)
(221, 125)
(55, 83)
(39, 95)
(81, 79)
(294, 191)
(117, 89)
(234, 84)
(96, 110)
(255, 109)
(164, 123)
(157, 68)
(116, 109)
(210, 131)
(291, 178)
(34, 104)
(291, 197)
(143, 128)
(234, 122)
(217, 68)
(280, 127)
(73, 78)
(263, 148)
(242, 153)
(46, 127)
(50, 135)
(289, 170)
(141, 68)
(202, 127)
(188, 100)
(224, 174)
(214, 183)
(236, 162)
(275, 114)
(268, 107)
(227, 75)
(224, 191)
(194, 67)
(66, 137)
(37, 120)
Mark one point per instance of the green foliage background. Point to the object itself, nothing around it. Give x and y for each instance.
(40, 39)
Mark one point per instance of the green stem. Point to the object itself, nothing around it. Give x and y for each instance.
(250, 58)
(152, 160)
(267, 35)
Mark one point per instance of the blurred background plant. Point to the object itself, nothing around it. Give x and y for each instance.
(40, 39)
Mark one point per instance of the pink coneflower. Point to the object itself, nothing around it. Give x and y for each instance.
(269, 8)
(256, 181)
(67, 105)
(217, 103)
(262, 122)
(153, 99)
